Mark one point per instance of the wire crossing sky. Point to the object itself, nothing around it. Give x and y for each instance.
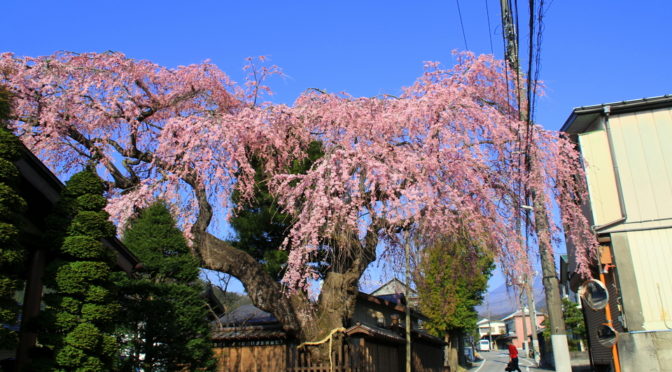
(592, 51)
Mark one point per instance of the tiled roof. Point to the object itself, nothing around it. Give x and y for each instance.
(390, 335)
(248, 333)
(375, 332)
(247, 315)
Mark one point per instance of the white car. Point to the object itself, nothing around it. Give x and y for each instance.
(484, 345)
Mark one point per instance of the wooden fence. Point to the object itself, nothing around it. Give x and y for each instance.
(352, 355)
(251, 358)
(301, 360)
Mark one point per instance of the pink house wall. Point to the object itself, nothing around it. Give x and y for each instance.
(518, 324)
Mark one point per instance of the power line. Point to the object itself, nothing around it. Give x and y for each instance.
(487, 12)
(537, 62)
(464, 35)
(530, 62)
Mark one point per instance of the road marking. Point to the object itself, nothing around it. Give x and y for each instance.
(481, 366)
(527, 368)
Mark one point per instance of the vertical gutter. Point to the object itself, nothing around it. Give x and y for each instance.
(617, 175)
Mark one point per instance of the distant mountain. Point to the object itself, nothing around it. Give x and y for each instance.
(501, 301)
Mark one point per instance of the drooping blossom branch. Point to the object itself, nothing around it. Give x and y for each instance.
(446, 154)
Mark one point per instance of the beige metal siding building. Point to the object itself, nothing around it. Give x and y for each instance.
(627, 152)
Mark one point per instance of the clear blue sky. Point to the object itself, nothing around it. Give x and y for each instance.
(593, 51)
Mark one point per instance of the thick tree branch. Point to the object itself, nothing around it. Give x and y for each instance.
(336, 304)
(120, 180)
(265, 293)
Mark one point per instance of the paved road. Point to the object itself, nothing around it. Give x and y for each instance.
(495, 361)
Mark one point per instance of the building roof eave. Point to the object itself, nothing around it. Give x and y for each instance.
(581, 117)
(46, 183)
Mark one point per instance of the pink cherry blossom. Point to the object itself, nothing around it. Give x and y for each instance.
(445, 156)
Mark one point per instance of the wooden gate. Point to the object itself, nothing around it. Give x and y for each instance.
(351, 355)
(302, 360)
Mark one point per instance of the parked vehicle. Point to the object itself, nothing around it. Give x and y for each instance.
(484, 345)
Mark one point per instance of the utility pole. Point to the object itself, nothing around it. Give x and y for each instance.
(541, 223)
(511, 52)
(533, 318)
(552, 289)
(489, 330)
(526, 346)
(407, 257)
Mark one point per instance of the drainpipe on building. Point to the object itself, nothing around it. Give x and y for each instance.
(624, 216)
(617, 174)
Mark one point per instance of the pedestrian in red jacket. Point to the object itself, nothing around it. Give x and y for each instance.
(513, 358)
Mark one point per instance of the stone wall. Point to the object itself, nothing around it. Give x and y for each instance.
(645, 351)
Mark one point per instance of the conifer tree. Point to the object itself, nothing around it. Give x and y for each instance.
(260, 223)
(452, 277)
(11, 253)
(165, 324)
(574, 324)
(81, 307)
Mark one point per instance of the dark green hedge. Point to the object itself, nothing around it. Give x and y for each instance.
(82, 311)
(11, 252)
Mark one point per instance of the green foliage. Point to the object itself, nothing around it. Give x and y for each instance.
(574, 324)
(82, 183)
(85, 336)
(94, 224)
(81, 312)
(10, 146)
(97, 294)
(91, 202)
(160, 245)
(260, 224)
(70, 356)
(10, 253)
(11, 205)
(451, 280)
(5, 104)
(165, 316)
(65, 320)
(8, 172)
(76, 277)
(83, 247)
(69, 304)
(98, 313)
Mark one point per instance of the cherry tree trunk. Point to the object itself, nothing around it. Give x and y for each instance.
(304, 320)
